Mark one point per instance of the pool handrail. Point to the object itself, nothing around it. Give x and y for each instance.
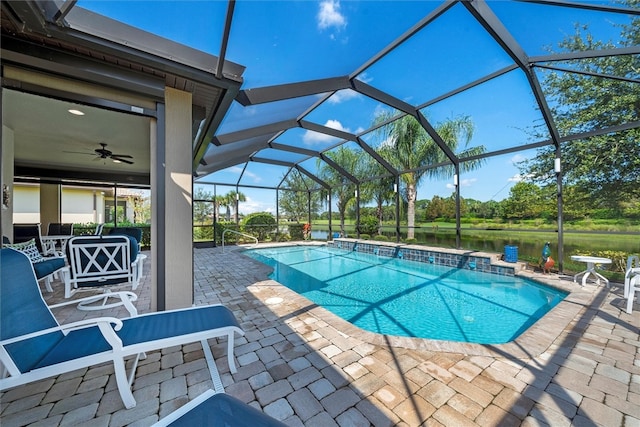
(237, 232)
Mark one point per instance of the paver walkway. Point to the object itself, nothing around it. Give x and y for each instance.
(302, 365)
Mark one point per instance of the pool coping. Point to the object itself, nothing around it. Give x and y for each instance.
(533, 342)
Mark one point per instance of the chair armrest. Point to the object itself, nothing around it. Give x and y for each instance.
(127, 298)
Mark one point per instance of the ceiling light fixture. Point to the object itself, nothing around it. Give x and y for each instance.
(116, 161)
(76, 112)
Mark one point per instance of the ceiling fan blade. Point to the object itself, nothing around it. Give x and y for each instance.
(120, 159)
(122, 155)
(79, 152)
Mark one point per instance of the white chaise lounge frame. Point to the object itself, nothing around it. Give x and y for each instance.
(17, 265)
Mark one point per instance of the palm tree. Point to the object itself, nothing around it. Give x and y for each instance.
(230, 202)
(380, 191)
(341, 187)
(409, 148)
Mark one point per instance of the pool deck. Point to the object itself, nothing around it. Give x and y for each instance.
(579, 365)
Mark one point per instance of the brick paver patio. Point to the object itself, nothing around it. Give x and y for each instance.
(579, 366)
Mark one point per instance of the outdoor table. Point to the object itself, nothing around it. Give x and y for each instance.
(591, 268)
(49, 243)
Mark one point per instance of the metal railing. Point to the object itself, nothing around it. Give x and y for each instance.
(237, 232)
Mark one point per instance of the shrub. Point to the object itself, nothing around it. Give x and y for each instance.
(283, 237)
(364, 236)
(381, 238)
(368, 225)
(259, 224)
(296, 231)
(411, 241)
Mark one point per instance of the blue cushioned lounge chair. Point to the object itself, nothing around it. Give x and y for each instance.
(217, 409)
(33, 345)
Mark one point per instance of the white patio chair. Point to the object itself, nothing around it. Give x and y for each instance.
(631, 280)
(99, 263)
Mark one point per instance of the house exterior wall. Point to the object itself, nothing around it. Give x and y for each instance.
(77, 205)
(26, 204)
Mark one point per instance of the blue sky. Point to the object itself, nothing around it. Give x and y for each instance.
(290, 41)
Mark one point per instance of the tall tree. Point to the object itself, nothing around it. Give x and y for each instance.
(342, 189)
(410, 149)
(229, 202)
(607, 167)
(294, 198)
(202, 207)
(380, 190)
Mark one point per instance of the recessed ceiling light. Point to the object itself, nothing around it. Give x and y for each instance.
(76, 112)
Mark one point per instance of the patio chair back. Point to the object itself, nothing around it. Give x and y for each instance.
(134, 232)
(26, 232)
(23, 311)
(60, 229)
(100, 260)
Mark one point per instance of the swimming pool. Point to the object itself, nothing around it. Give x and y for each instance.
(407, 298)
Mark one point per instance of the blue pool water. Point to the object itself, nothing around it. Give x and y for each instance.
(397, 297)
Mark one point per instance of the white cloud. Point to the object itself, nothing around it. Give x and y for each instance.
(463, 183)
(329, 15)
(343, 96)
(251, 206)
(238, 170)
(517, 159)
(364, 78)
(518, 177)
(310, 137)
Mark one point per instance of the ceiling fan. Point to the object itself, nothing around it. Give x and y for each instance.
(103, 153)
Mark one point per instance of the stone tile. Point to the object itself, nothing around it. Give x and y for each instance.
(273, 392)
(600, 413)
(436, 393)
(304, 403)
(27, 416)
(173, 388)
(79, 415)
(352, 418)
(280, 409)
(414, 411)
(465, 370)
(389, 396)
(547, 416)
(62, 389)
(304, 377)
(260, 380)
(377, 413)
(323, 419)
(496, 417)
(465, 406)
(513, 402)
(77, 401)
(321, 388)
(339, 401)
(450, 417)
(473, 392)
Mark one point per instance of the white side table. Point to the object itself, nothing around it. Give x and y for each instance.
(591, 262)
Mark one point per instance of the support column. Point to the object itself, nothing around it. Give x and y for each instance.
(50, 205)
(6, 156)
(176, 226)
